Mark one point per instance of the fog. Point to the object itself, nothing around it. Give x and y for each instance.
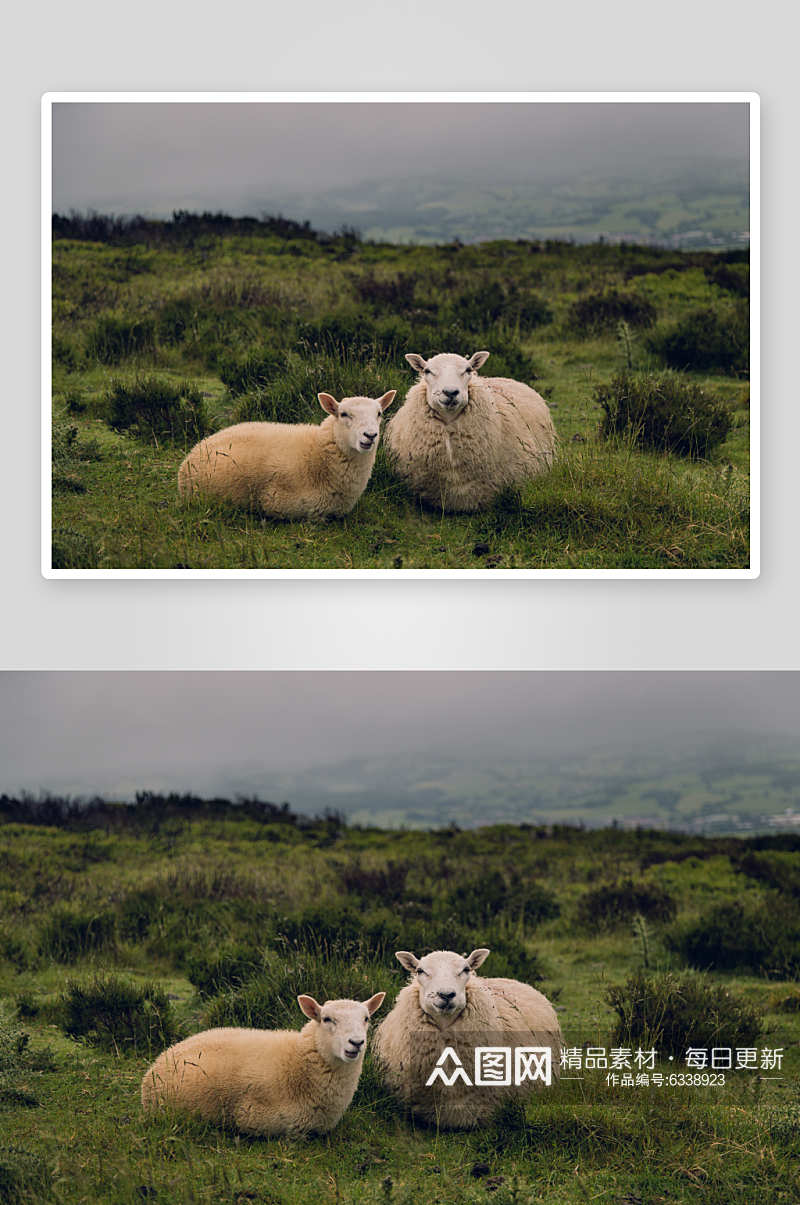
(155, 157)
(117, 732)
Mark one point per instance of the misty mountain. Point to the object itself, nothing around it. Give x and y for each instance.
(701, 781)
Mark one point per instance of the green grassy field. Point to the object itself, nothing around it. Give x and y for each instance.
(231, 910)
(258, 322)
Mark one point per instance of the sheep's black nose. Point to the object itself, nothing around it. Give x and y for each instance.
(370, 435)
(447, 995)
(451, 393)
(357, 1042)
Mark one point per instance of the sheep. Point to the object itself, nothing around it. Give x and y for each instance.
(269, 1083)
(459, 437)
(446, 1011)
(291, 471)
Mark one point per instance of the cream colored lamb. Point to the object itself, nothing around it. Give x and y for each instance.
(291, 470)
(269, 1083)
(459, 437)
(448, 1010)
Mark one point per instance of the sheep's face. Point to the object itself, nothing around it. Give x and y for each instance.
(358, 420)
(341, 1026)
(447, 379)
(442, 979)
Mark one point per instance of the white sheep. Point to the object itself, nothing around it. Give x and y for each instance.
(459, 437)
(447, 1010)
(291, 470)
(269, 1083)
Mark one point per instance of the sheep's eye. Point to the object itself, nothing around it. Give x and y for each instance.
(420, 971)
(467, 369)
(465, 971)
(329, 1020)
(342, 414)
(428, 372)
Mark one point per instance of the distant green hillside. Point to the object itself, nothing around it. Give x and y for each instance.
(683, 203)
(710, 784)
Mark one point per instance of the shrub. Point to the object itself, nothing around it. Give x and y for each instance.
(255, 371)
(67, 935)
(220, 970)
(670, 1014)
(663, 412)
(329, 971)
(152, 408)
(485, 897)
(118, 1016)
(734, 278)
(396, 295)
(111, 340)
(707, 339)
(615, 904)
(775, 868)
(761, 936)
(599, 312)
(387, 884)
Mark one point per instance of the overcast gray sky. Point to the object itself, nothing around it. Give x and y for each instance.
(115, 732)
(154, 157)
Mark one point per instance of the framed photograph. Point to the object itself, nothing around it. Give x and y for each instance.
(400, 335)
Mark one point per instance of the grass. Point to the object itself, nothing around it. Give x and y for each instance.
(198, 893)
(253, 326)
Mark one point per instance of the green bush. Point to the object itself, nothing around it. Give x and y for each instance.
(111, 340)
(67, 935)
(775, 868)
(663, 412)
(118, 1016)
(670, 1014)
(707, 339)
(226, 968)
(485, 897)
(599, 312)
(255, 371)
(337, 970)
(154, 409)
(750, 935)
(616, 904)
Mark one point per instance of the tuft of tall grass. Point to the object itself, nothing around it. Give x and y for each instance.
(670, 1014)
(663, 412)
(153, 409)
(118, 1016)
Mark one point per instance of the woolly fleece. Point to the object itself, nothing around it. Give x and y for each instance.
(287, 470)
(503, 436)
(408, 1043)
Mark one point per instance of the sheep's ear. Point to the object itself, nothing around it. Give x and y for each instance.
(328, 403)
(407, 960)
(373, 1004)
(478, 359)
(417, 362)
(387, 399)
(477, 958)
(310, 1007)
